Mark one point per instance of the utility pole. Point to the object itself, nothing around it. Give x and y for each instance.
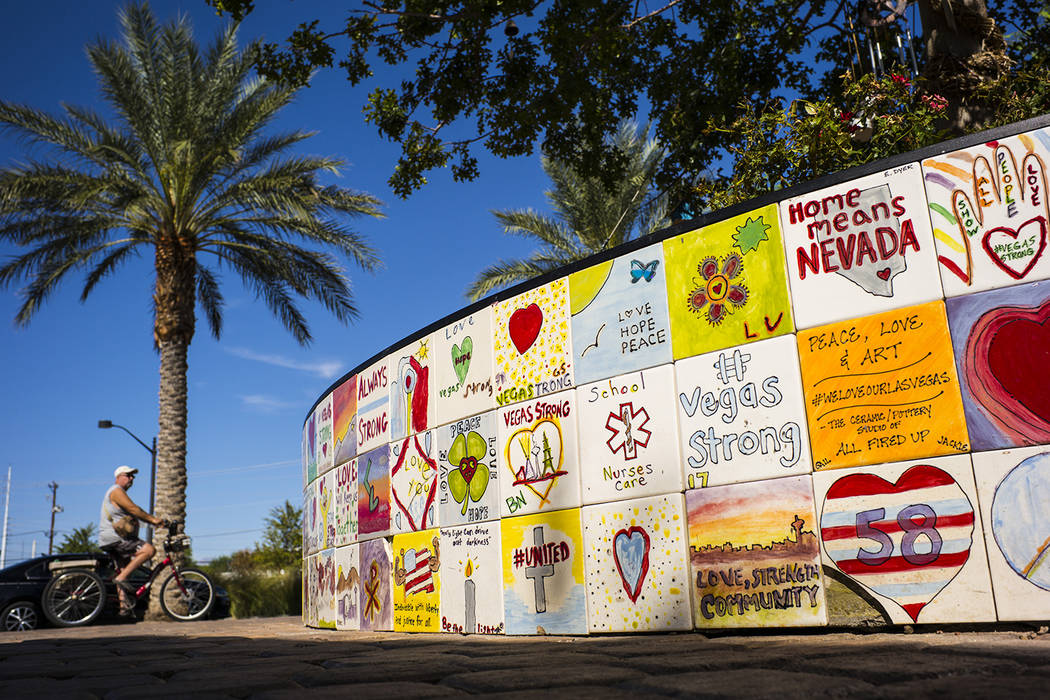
(7, 502)
(54, 509)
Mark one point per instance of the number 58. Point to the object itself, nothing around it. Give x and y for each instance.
(914, 520)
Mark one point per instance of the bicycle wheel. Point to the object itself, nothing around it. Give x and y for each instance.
(74, 597)
(187, 595)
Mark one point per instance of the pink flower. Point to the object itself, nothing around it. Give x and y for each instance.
(900, 80)
(935, 102)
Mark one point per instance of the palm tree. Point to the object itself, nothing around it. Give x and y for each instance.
(590, 215)
(187, 175)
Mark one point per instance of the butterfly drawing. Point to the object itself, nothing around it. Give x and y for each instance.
(640, 271)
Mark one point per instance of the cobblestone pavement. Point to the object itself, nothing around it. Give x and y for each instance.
(278, 658)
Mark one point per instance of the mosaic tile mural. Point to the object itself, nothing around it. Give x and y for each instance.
(829, 410)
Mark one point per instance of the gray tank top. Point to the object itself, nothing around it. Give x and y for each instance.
(111, 513)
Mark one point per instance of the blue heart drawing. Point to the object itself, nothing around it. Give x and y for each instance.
(631, 554)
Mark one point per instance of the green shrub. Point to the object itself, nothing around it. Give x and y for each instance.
(260, 594)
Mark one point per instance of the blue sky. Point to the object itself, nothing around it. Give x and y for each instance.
(78, 363)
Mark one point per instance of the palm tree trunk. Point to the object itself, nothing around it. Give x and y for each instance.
(174, 299)
(965, 50)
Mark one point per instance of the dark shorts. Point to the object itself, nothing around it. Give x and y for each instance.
(124, 550)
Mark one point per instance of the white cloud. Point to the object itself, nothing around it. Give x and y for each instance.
(268, 404)
(325, 369)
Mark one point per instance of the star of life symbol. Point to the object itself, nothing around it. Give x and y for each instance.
(628, 430)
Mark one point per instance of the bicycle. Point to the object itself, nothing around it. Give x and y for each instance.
(76, 596)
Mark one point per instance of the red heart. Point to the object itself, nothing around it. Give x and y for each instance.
(716, 288)
(524, 327)
(989, 248)
(467, 467)
(883, 274)
(1007, 366)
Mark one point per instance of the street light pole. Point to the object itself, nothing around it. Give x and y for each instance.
(152, 467)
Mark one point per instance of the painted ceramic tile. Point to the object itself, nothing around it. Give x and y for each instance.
(1002, 350)
(310, 590)
(373, 407)
(754, 555)
(310, 449)
(619, 315)
(463, 367)
(373, 493)
(1013, 487)
(908, 535)
(882, 388)
(742, 414)
(347, 588)
(346, 503)
(631, 448)
(989, 210)
(413, 484)
(543, 579)
(538, 459)
(417, 582)
(344, 420)
(468, 470)
(325, 564)
(860, 247)
(727, 284)
(638, 578)
(312, 531)
(306, 591)
(325, 448)
(326, 510)
(471, 579)
(377, 595)
(411, 388)
(532, 348)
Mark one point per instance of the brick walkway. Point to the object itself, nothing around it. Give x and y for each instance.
(278, 658)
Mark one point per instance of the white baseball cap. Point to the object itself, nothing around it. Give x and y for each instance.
(124, 469)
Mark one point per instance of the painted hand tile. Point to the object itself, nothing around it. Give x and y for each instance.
(413, 484)
(1013, 487)
(377, 595)
(411, 388)
(741, 413)
(310, 449)
(1002, 349)
(468, 470)
(472, 579)
(311, 521)
(347, 588)
(543, 579)
(346, 503)
(538, 458)
(310, 590)
(417, 582)
(860, 247)
(532, 347)
(619, 315)
(638, 578)
(324, 562)
(754, 555)
(373, 493)
(908, 534)
(632, 445)
(463, 367)
(727, 285)
(326, 510)
(344, 420)
(325, 448)
(373, 407)
(882, 388)
(989, 210)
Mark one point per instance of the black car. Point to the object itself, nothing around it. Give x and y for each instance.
(22, 586)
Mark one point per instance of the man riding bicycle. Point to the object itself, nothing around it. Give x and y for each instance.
(118, 534)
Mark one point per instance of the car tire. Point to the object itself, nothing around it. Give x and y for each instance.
(20, 617)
